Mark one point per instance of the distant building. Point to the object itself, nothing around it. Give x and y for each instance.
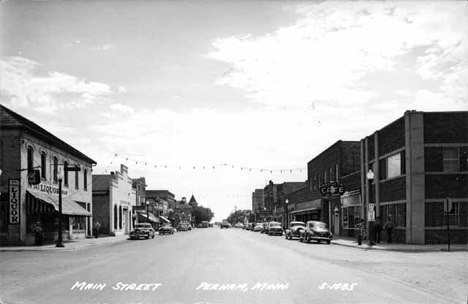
(257, 202)
(114, 199)
(26, 208)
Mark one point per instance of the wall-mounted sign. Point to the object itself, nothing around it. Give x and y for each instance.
(46, 188)
(14, 200)
(332, 189)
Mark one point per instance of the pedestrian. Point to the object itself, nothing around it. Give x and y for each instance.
(38, 239)
(97, 226)
(377, 227)
(362, 231)
(389, 227)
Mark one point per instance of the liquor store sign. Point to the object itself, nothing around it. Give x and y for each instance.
(45, 188)
(14, 200)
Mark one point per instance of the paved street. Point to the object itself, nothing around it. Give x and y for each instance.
(231, 266)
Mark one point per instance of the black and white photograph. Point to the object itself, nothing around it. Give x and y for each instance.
(233, 152)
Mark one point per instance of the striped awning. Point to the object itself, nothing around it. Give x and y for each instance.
(164, 219)
(152, 218)
(41, 203)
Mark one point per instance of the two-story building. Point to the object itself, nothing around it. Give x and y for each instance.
(410, 168)
(35, 164)
(114, 199)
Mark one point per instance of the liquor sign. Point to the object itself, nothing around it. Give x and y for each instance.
(14, 200)
(332, 189)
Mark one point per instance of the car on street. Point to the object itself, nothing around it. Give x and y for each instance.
(274, 228)
(294, 230)
(184, 227)
(317, 231)
(258, 227)
(225, 224)
(249, 226)
(264, 228)
(166, 229)
(144, 230)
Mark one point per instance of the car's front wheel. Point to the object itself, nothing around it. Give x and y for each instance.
(328, 242)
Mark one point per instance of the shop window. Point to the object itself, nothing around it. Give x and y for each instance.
(120, 217)
(77, 182)
(30, 159)
(350, 216)
(79, 223)
(115, 217)
(65, 173)
(43, 165)
(85, 179)
(436, 217)
(396, 212)
(451, 160)
(55, 169)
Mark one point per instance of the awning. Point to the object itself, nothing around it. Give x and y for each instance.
(164, 219)
(152, 218)
(69, 206)
(304, 210)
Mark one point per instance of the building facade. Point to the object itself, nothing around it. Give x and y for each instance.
(114, 199)
(411, 167)
(337, 161)
(257, 203)
(30, 207)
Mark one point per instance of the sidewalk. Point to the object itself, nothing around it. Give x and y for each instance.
(70, 245)
(351, 242)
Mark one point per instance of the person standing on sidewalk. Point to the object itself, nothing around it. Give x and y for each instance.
(97, 226)
(389, 227)
(362, 231)
(377, 227)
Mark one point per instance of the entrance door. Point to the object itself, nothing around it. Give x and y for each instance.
(125, 221)
(337, 224)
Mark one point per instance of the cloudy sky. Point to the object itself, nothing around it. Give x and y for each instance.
(216, 98)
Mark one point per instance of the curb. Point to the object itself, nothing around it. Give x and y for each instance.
(409, 250)
(69, 248)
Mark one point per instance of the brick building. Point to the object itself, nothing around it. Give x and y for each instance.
(26, 208)
(283, 190)
(337, 161)
(114, 199)
(257, 202)
(417, 162)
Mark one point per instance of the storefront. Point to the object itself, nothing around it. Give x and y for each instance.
(351, 212)
(307, 211)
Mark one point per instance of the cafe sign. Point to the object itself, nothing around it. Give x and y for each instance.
(332, 189)
(14, 200)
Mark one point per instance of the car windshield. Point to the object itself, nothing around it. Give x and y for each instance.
(319, 225)
(294, 224)
(274, 224)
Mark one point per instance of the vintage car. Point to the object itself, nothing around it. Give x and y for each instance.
(264, 228)
(258, 227)
(166, 229)
(225, 224)
(317, 231)
(294, 230)
(184, 226)
(144, 230)
(274, 228)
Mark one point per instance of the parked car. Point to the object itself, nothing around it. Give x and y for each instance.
(142, 230)
(294, 230)
(225, 224)
(258, 227)
(274, 228)
(249, 226)
(184, 227)
(317, 231)
(264, 228)
(166, 229)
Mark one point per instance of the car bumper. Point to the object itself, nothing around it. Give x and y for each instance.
(321, 238)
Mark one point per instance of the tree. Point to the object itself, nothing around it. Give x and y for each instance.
(202, 214)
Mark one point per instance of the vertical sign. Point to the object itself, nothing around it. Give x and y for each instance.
(14, 200)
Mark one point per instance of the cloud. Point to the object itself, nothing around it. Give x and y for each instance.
(121, 108)
(104, 47)
(324, 56)
(24, 89)
(122, 89)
